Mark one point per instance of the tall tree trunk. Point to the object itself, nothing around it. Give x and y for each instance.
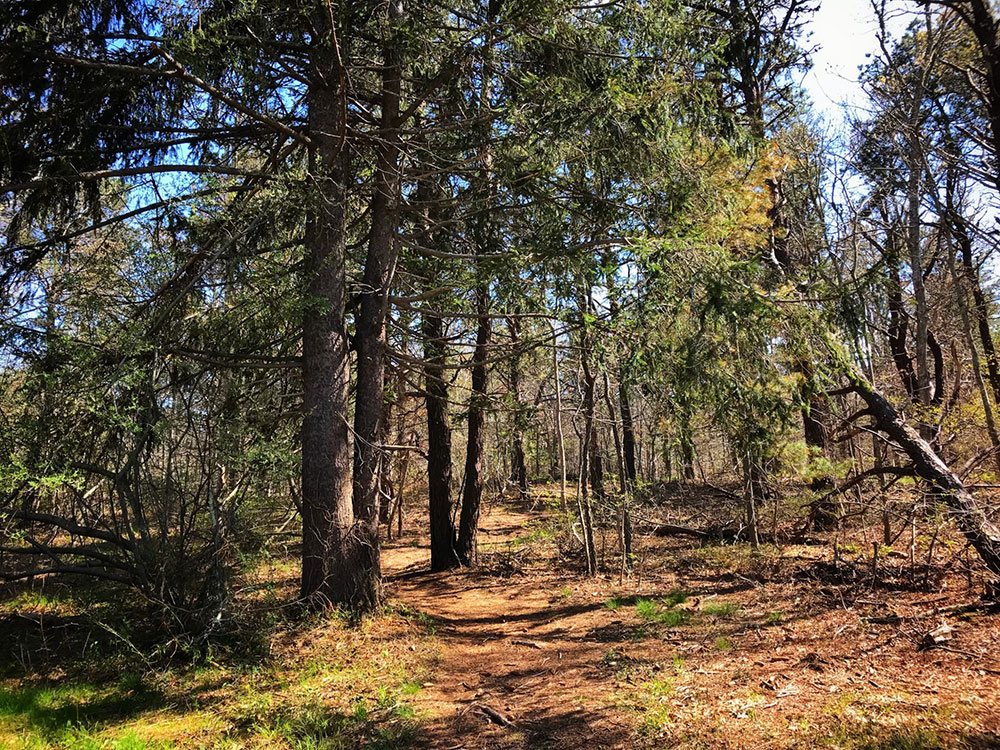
(443, 554)
(980, 306)
(977, 370)
(330, 570)
(915, 248)
(899, 322)
(486, 240)
(596, 465)
(586, 456)
(594, 459)
(369, 337)
(439, 460)
(385, 475)
(751, 498)
(588, 453)
(472, 495)
(628, 435)
(615, 434)
(626, 484)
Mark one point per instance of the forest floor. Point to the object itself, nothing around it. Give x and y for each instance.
(702, 646)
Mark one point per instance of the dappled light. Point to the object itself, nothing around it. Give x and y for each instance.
(499, 374)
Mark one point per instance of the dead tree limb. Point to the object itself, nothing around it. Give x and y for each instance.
(982, 534)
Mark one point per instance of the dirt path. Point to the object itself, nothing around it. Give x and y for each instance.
(521, 647)
(754, 656)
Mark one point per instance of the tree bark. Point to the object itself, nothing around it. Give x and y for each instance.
(977, 370)
(369, 337)
(899, 323)
(443, 554)
(486, 240)
(626, 484)
(558, 420)
(980, 306)
(330, 570)
(519, 468)
(923, 393)
(628, 435)
(588, 453)
(472, 495)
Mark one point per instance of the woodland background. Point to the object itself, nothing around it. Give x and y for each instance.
(289, 284)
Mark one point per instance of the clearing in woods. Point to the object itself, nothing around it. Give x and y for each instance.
(703, 646)
(714, 647)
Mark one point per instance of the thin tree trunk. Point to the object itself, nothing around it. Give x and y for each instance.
(624, 517)
(443, 554)
(751, 497)
(589, 454)
(687, 445)
(583, 509)
(397, 509)
(981, 308)
(472, 496)
(628, 435)
(559, 424)
(977, 371)
(519, 468)
(385, 475)
(898, 323)
(615, 434)
(914, 247)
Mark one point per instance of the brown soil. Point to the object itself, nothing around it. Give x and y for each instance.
(776, 650)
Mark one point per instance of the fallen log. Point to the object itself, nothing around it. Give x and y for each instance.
(669, 529)
(981, 533)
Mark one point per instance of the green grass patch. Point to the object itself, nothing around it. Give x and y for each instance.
(410, 688)
(73, 715)
(720, 609)
(678, 663)
(661, 611)
(330, 686)
(659, 687)
(675, 597)
(50, 707)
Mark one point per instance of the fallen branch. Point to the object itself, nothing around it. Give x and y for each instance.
(899, 471)
(982, 534)
(493, 715)
(726, 533)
